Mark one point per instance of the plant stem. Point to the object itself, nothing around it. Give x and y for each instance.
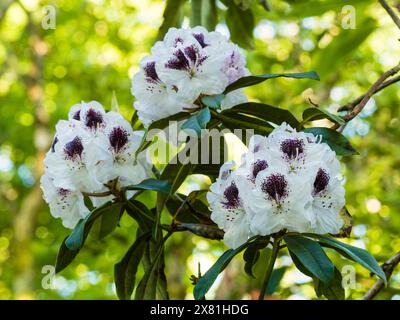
(270, 268)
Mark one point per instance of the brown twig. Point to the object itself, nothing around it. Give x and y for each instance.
(388, 267)
(372, 90)
(97, 194)
(350, 106)
(391, 12)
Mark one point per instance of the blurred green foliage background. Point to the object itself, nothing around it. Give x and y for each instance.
(95, 49)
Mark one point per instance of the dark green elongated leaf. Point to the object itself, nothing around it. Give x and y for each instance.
(207, 169)
(176, 172)
(135, 122)
(265, 112)
(252, 254)
(361, 256)
(189, 210)
(139, 212)
(207, 280)
(334, 291)
(163, 123)
(64, 257)
(241, 24)
(275, 279)
(88, 203)
(152, 184)
(125, 270)
(203, 230)
(162, 287)
(172, 16)
(198, 121)
(234, 121)
(79, 234)
(109, 220)
(312, 114)
(147, 287)
(213, 102)
(312, 256)
(334, 139)
(256, 79)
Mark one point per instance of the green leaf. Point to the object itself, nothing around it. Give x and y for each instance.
(311, 255)
(241, 24)
(361, 256)
(265, 112)
(153, 264)
(172, 16)
(109, 220)
(140, 213)
(334, 139)
(125, 270)
(276, 277)
(203, 230)
(207, 280)
(252, 254)
(65, 257)
(234, 121)
(163, 123)
(214, 101)
(76, 239)
(312, 114)
(198, 121)
(176, 172)
(153, 185)
(188, 210)
(256, 79)
(334, 291)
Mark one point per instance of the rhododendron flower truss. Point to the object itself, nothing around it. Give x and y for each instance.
(287, 189)
(287, 192)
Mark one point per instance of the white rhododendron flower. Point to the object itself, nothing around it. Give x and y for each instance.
(89, 150)
(227, 208)
(289, 180)
(187, 64)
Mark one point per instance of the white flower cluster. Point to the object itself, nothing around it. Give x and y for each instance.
(187, 64)
(288, 180)
(90, 149)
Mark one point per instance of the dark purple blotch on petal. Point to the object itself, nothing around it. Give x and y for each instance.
(118, 138)
(77, 115)
(275, 187)
(292, 147)
(200, 39)
(151, 73)
(179, 62)
(231, 194)
(74, 148)
(258, 166)
(93, 119)
(321, 181)
(191, 53)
